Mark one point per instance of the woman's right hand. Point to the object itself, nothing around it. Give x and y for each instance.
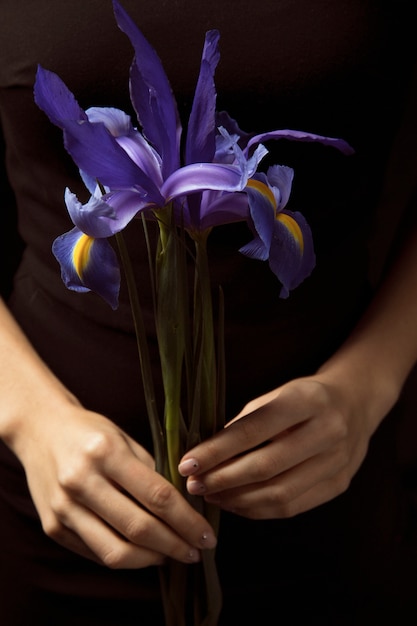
(97, 493)
(96, 490)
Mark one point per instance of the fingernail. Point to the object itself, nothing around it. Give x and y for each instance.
(208, 540)
(188, 467)
(193, 556)
(195, 487)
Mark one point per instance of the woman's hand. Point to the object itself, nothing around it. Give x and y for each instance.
(95, 489)
(288, 451)
(97, 493)
(300, 445)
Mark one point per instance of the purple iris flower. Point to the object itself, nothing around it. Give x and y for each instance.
(137, 170)
(143, 170)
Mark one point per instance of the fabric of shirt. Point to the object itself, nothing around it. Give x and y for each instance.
(340, 69)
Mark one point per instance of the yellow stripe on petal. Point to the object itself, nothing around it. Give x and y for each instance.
(81, 254)
(292, 226)
(263, 189)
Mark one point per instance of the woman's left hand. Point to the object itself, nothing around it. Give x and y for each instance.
(286, 452)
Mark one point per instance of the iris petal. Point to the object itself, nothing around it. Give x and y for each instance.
(201, 176)
(119, 124)
(262, 209)
(97, 153)
(281, 177)
(255, 249)
(55, 99)
(290, 261)
(151, 94)
(88, 264)
(297, 135)
(97, 218)
(200, 144)
(226, 208)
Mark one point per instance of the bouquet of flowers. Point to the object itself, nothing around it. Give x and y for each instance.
(140, 172)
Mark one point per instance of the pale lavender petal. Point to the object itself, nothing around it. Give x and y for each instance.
(201, 176)
(97, 218)
(281, 177)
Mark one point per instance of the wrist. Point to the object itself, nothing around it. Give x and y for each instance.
(368, 384)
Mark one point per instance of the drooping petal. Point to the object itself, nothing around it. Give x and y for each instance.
(55, 99)
(255, 249)
(297, 135)
(88, 264)
(291, 256)
(97, 218)
(200, 143)
(151, 94)
(262, 206)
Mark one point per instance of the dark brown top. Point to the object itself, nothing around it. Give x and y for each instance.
(335, 68)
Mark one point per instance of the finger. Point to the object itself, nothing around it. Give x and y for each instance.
(164, 501)
(289, 449)
(309, 484)
(134, 523)
(70, 541)
(291, 405)
(95, 537)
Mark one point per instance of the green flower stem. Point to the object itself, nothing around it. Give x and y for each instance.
(171, 329)
(207, 412)
(155, 424)
(204, 342)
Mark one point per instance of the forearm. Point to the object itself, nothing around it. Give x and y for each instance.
(381, 351)
(27, 385)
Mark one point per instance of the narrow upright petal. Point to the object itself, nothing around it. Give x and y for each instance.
(201, 143)
(152, 95)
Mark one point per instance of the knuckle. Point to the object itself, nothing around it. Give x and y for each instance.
(52, 527)
(249, 429)
(160, 497)
(282, 497)
(95, 448)
(342, 482)
(339, 426)
(72, 477)
(264, 467)
(137, 531)
(98, 446)
(60, 506)
(113, 558)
